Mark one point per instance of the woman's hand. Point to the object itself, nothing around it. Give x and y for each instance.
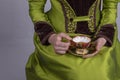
(59, 46)
(100, 42)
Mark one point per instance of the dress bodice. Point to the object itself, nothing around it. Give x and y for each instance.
(81, 7)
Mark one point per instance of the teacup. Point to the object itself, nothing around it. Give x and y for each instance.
(79, 44)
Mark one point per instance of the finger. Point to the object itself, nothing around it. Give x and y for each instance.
(63, 35)
(62, 44)
(90, 55)
(61, 48)
(60, 52)
(99, 46)
(100, 43)
(87, 56)
(58, 38)
(95, 53)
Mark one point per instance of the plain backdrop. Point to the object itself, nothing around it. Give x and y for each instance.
(16, 38)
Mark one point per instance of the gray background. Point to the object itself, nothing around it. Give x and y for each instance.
(16, 38)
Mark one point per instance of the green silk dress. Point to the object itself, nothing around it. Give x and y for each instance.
(45, 64)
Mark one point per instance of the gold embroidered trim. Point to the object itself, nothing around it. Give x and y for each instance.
(70, 15)
(71, 26)
(92, 16)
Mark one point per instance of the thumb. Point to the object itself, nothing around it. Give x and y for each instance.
(66, 36)
(98, 46)
(100, 43)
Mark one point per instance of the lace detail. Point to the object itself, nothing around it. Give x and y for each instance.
(92, 15)
(69, 15)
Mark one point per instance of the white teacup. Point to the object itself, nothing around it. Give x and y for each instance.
(80, 44)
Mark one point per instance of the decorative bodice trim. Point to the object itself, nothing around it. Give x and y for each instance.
(69, 15)
(71, 19)
(92, 15)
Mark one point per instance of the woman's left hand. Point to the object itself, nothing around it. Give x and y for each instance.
(100, 42)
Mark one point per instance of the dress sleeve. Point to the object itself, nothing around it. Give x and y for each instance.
(108, 21)
(42, 25)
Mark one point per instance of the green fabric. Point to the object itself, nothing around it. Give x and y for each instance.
(83, 18)
(109, 13)
(45, 64)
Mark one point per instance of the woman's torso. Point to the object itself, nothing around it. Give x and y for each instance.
(64, 10)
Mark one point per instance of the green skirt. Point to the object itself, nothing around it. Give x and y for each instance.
(45, 64)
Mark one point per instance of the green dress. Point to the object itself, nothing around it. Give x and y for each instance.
(45, 64)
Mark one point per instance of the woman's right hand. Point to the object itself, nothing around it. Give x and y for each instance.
(59, 46)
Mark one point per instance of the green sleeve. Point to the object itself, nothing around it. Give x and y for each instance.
(42, 25)
(108, 21)
(109, 12)
(36, 10)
